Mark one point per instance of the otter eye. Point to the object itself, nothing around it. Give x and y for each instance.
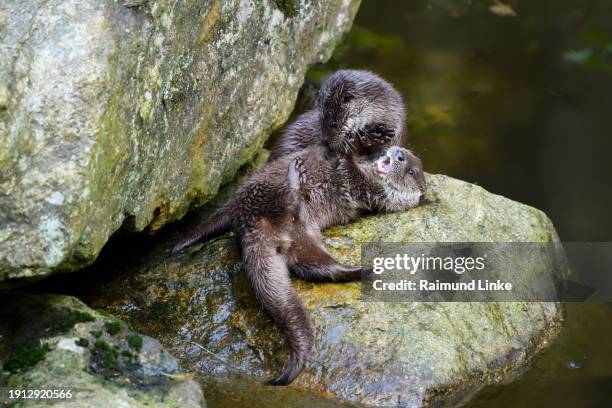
(411, 172)
(333, 124)
(399, 155)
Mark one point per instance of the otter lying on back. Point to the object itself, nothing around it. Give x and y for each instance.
(357, 112)
(278, 215)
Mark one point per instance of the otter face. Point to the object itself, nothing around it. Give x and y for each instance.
(403, 180)
(352, 101)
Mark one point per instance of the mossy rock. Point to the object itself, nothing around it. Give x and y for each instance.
(143, 114)
(46, 342)
(200, 305)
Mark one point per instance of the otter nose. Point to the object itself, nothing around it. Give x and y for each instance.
(399, 155)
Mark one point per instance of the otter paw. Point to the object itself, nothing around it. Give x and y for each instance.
(379, 134)
(297, 173)
(358, 139)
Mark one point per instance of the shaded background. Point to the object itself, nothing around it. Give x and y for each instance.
(521, 105)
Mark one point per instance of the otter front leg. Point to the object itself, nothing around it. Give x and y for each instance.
(372, 136)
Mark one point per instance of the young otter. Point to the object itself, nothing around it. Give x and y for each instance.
(278, 215)
(357, 112)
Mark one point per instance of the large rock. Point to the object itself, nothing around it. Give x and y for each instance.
(126, 113)
(199, 304)
(56, 342)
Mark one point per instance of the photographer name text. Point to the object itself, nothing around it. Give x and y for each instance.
(410, 265)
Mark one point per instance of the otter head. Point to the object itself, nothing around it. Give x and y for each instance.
(401, 175)
(351, 101)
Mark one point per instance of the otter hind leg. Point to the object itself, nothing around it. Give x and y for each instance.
(310, 261)
(269, 276)
(218, 223)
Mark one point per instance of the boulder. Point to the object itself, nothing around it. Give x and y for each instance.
(124, 114)
(53, 342)
(200, 305)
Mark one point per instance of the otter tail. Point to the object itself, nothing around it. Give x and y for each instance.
(218, 223)
(269, 277)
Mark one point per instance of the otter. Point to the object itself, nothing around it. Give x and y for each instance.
(357, 113)
(278, 215)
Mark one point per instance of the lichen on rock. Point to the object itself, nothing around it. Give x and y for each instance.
(129, 113)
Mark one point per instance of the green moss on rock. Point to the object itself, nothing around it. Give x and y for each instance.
(26, 357)
(105, 356)
(102, 370)
(113, 327)
(135, 341)
(71, 318)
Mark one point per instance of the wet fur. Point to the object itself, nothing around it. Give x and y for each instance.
(319, 173)
(357, 113)
(278, 215)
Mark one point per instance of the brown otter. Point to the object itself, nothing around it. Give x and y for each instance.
(357, 112)
(278, 215)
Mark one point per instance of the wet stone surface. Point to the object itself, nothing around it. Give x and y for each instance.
(199, 305)
(57, 342)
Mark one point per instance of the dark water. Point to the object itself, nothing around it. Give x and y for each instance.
(522, 106)
(576, 371)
